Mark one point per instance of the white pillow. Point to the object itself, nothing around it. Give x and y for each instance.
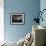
(20, 42)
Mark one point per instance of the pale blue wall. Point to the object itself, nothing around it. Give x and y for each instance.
(43, 6)
(29, 7)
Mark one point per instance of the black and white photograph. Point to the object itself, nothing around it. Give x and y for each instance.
(17, 18)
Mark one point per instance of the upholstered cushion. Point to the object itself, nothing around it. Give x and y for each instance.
(20, 42)
(11, 43)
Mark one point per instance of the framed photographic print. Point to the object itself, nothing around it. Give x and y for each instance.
(17, 18)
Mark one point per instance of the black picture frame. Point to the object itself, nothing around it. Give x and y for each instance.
(17, 18)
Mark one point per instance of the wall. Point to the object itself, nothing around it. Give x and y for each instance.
(29, 7)
(43, 6)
